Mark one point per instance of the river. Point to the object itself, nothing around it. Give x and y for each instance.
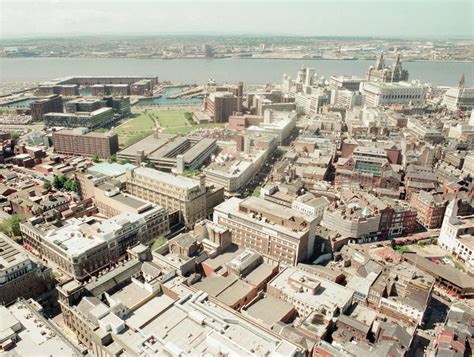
(255, 71)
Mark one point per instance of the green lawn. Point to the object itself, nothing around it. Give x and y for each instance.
(143, 123)
(139, 126)
(401, 249)
(171, 118)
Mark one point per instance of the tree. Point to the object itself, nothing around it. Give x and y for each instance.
(113, 158)
(11, 226)
(158, 242)
(150, 164)
(14, 135)
(125, 161)
(96, 158)
(70, 185)
(58, 182)
(191, 173)
(189, 117)
(47, 185)
(256, 192)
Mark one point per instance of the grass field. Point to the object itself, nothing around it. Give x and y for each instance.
(139, 126)
(142, 124)
(174, 122)
(171, 118)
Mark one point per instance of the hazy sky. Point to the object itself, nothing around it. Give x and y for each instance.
(422, 18)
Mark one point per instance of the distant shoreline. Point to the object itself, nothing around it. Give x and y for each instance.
(241, 58)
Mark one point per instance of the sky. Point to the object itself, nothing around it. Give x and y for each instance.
(351, 18)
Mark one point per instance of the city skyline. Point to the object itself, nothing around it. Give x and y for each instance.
(421, 19)
(236, 178)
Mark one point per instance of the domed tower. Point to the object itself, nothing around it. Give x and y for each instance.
(380, 64)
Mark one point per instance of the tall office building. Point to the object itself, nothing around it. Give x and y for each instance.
(187, 200)
(83, 247)
(81, 142)
(279, 233)
(51, 104)
(97, 119)
(221, 105)
(20, 277)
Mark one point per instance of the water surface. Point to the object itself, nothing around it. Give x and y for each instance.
(255, 71)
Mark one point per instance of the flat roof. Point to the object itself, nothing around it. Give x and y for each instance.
(81, 235)
(131, 295)
(446, 272)
(222, 259)
(215, 284)
(130, 201)
(168, 148)
(111, 170)
(329, 295)
(269, 310)
(270, 207)
(84, 132)
(149, 145)
(10, 253)
(231, 207)
(170, 179)
(148, 311)
(259, 274)
(238, 290)
(198, 149)
(36, 338)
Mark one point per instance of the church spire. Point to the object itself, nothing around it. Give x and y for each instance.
(380, 62)
(461, 82)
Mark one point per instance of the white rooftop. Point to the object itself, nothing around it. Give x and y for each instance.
(10, 253)
(170, 179)
(328, 295)
(35, 338)
(79, 236)
(195, 326)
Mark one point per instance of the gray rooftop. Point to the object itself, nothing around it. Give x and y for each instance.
(10, 253)
(269, 310)
(169, 179)
(148, 145)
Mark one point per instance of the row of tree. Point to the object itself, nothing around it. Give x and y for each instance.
(61, 182)
(11, 226)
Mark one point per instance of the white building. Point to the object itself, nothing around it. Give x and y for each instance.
(329, 122)
(459, 98)
(457, 235)
(468, 166)
(310, 205)
(424, 131)
(352, 221)
(25, 332)
(309, 293)
(310, 103)
(84, 246)
(346, 99)
(386, 94)
(279, 123)
(350, 83)
(13, 261)
(233, 171)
